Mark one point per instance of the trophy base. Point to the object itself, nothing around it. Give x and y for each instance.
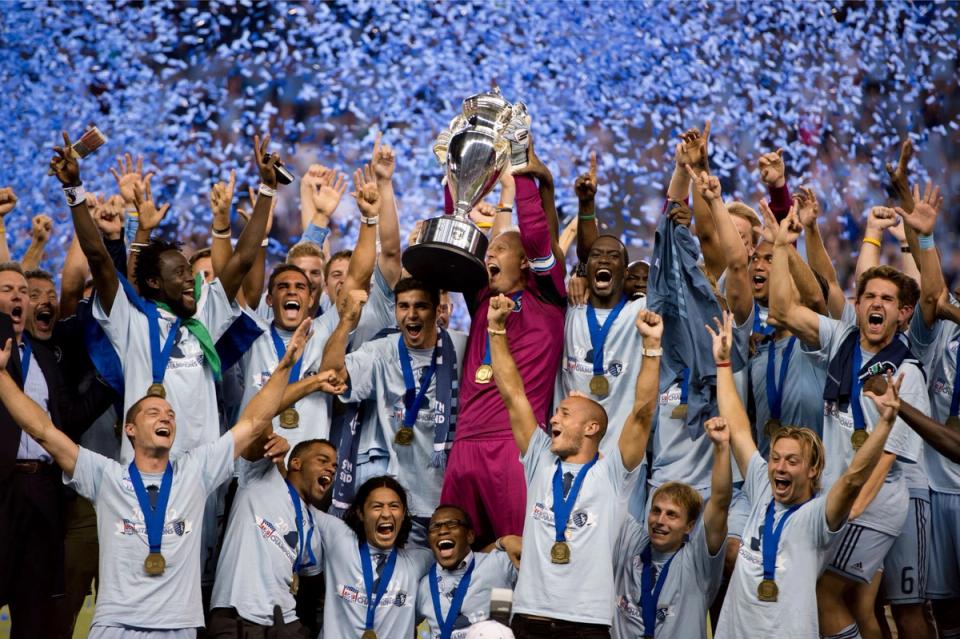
(449, 255)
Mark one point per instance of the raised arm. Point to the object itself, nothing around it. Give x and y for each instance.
(879, 219)
(255, 230)
(72, 278)
(35, 421)
(364, 255)
(721, 484)
(728, 400)
(522, 420)
(636, 430)
(738, 290)
(900, 181)
(8, 200)
(808, 210)
(693, 149)
(252, 287)
(383, 163)
(221, 197)
(785, 307)
(845, 490)
(335, 350)
(922, 219)
(773, 174)
(148, 218)
(258, 415)
(64, 165)
(40, 229)
(586, 221)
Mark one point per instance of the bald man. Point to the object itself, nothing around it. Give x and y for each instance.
(575, 499)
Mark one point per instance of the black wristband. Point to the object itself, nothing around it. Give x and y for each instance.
(222, 231)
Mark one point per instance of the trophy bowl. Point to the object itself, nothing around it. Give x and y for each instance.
(449, 250)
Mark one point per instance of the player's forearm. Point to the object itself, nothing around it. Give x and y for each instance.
(869, 253)
(26, 413)
(944, 440)
(731, 408)
(636, 431)
(932, 283)
(252, 286)
(811, 295)
(98, 258)
(782, 297)
(389, 259)
(587, 229)
(362, 263)
(679, 187)
(33, 255)
(72, 278)
(299, 389)
(262, 407)
(721, 493)
(4, 248)
(248, 244)
(335, 350)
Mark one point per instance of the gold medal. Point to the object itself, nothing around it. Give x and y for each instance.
(858, 438)
(599, 386)
(560, 553)
(680, 412)
(772, 426)
(953, 422)
(157, 390)
(154, 564)
(484, 374)
(290, 418)
(404, 436)
(768, 590)
(368, 634)
(294, 584)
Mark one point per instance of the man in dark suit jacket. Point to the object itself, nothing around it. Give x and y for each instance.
(31, 490)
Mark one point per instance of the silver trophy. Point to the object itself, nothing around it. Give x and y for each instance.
(449, 250)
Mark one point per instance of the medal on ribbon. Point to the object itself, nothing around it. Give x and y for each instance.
(599, 384)
(563, 508)
(769, 543)
(289, 417)
(413, 398)
(373, 599)
(153, 516)
(859, 435)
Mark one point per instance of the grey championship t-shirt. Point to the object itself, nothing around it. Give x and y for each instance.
(622, 355)
(888, 510)
(261, 545)
(345, 602)
(492, 570)
(375, 372)
(691, 584)
(936, 347)
(188, 379)
(802, 391)
(582, 590)
(804, 545)
(259, 362)
(128, 596)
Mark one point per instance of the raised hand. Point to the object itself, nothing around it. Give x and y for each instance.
(790, 228)
(925, 209)
(808, 207)
(578, 294)
(879, 219)
(40, 228)
(722, 338)
(680, 213)
(500, 309)
(772, 169)
(717, 430)
(353, 306)
(327, 191)
(298, 342)
(8, 200)
(770, 225)
(266, 163)
(708, 186)
(64, 164)
(887, 397)
(383, 161)
(221, 197)
(483, 215)
(586, 185)
(692, 148)
(535, 166)
(276, 448)
(128, 176)
(650, 326)
(367, 194)
(331, 383)
(899, 175)
(150, 216)
(109, 216)
(245, 214)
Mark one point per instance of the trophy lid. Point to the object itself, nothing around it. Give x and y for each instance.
(488, 108)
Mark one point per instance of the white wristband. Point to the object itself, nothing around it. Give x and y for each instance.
(268, 191)
(370, 221)
(75, 195)
(222, 236)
